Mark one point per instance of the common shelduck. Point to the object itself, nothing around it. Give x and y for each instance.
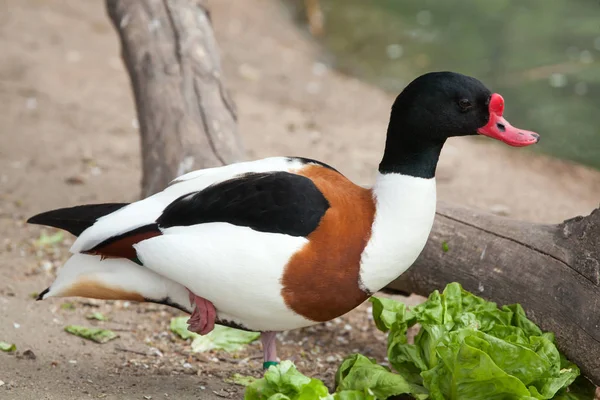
(284, 242)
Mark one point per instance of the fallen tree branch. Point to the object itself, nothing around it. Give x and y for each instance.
(553, 271)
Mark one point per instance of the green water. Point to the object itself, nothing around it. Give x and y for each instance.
(543, 56)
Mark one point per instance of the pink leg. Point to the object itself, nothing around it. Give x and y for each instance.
(202, 320)
(269, 343)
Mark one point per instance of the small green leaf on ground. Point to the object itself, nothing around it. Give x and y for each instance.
(67, 306)
(34, 295)
(221, 338)
(97, 316)
(49, 240)
(95, 334)
(179, 326)
(445, 247)
(7, 347)
(242, 380)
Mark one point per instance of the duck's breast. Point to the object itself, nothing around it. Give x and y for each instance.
(405, 210)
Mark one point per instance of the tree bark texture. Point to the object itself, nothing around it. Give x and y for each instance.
(553, 271)
(187, 119)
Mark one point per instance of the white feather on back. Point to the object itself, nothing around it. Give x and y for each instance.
(146, 211)
(236, 268)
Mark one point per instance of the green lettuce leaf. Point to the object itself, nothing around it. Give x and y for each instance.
(581, 389)
(467, 345)
(285, 382)
(7, 347)
(353, 395)
(387, 312)
(49, 240)
(97, 316)
(360, 379)
(220, 338)
(467, 372)
(242, 380)
(95, 334)
(467, 348)
(359, 373)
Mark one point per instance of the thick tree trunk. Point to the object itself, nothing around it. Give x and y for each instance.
(552, 270)
(187, 120)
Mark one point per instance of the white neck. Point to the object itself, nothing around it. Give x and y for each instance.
(405, 209)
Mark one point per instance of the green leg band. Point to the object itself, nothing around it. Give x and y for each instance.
(267, 364)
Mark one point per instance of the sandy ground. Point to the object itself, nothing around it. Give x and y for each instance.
(68, 136)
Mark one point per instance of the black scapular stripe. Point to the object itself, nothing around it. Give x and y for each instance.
(277, 202)
(75, 219)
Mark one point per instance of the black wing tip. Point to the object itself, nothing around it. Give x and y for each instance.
(38, 219)
(41, 295)
(52, 219)
(75, 219)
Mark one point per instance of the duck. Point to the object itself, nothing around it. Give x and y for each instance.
(280, 243)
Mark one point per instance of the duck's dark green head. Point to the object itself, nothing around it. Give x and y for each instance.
(439, 105)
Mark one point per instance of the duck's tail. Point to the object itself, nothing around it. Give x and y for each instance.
(90, 276)
(93, 276)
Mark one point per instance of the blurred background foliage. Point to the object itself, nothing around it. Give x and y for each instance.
(543, 56)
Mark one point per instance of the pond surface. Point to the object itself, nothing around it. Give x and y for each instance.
(543, 56)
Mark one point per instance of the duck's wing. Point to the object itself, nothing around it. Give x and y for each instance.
(274, 202)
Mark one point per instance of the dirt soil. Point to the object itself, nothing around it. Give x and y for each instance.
(68, 136)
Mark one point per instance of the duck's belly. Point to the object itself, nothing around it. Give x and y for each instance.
(236, 268)
(284, 321)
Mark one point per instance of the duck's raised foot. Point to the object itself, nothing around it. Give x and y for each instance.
(202, 320)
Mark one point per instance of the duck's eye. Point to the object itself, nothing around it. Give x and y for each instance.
(464, 104)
